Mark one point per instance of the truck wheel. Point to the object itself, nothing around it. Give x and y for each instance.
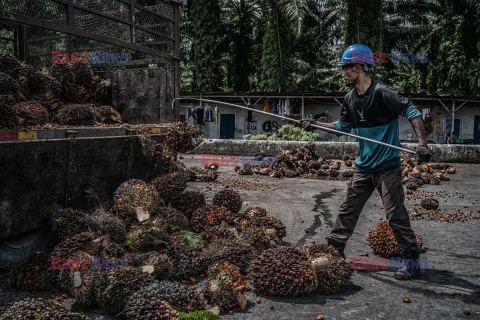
(15, 249)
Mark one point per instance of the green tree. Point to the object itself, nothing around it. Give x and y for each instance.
(206, 46)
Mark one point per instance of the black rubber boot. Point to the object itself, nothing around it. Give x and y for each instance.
(339, 245)
(410, 265)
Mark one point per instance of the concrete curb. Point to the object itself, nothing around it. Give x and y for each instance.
(459, 153)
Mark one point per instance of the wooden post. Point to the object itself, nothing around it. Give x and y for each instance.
(303, 107)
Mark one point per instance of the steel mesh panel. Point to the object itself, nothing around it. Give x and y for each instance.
(153, 41)
(41, 9)
(112, 7)
(155, 23)
(101, 25)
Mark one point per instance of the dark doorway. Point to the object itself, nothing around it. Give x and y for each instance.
(476, 130)
(227, 126)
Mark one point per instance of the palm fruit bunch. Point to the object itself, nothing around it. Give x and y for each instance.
(183, 137)
(207, 176)
(107, 115)
(115, 287)
(36, 81)
(451, 170)
(39, 309)
(106, 223)
(235, 252)
(145, 305)
(76, 114)
(65, 251)
(210, 216)
(174, 217)
(135, 200)
(412, 186)
(158, 265)
(382, 240)
(185, 264)
(188, 202)
(430, 204)
(83, 280)
(276, 174)
(218, 232)
(212, 165)
(62, 72)
(146, 239)
(229, 199)
(54, 86)
(7, 113)
(313, 165)
(272, 225)
(171, 186)
(113, 251)
(9, 64)
(348, 173)
(66, 223)
(442, 176)
(243, 170)
(32, 273)
(80, 95)
(226, 287)
(258, 238)
(31, 113)
(82, 74)
(333, 173)
(253, 212)
(7, 84)
(283, 271)
(331, 269)
(179, 296)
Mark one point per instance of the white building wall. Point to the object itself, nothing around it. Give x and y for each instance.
(438, 113)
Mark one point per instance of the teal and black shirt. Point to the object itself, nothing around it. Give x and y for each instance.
(374, 115)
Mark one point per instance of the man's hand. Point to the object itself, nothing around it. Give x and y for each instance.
(423, 154)
(307, 124)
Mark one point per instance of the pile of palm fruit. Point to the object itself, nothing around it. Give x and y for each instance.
(290, 163)
(64, 94)
(143, 256)
(415, 176)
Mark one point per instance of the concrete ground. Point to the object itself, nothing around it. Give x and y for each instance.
(447, 289)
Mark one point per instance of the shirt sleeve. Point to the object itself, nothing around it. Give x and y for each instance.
(343, 124)
(393, 101)
(410, 111)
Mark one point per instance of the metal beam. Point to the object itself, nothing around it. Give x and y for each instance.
(13, 17)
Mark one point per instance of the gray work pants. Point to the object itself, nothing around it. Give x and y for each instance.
(388, 183)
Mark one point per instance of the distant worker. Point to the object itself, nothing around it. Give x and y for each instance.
(372, 109)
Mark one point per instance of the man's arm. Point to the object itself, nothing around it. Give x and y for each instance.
(417, 125)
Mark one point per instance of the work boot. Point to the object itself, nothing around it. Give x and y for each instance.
(410, 265)
(339, 245)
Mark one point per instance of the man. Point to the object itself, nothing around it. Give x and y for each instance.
(372, 109)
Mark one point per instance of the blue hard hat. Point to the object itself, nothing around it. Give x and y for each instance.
(356, 53)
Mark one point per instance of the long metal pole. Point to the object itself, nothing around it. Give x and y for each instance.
(297, 121)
